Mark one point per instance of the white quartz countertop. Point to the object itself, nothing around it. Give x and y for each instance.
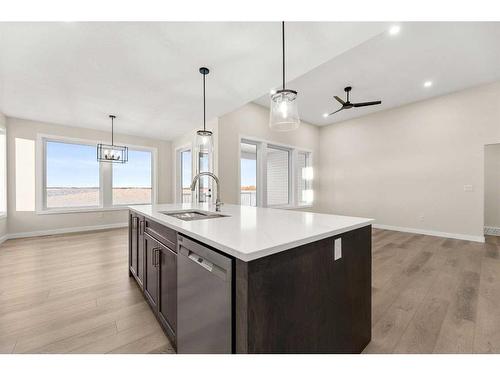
(249, 233)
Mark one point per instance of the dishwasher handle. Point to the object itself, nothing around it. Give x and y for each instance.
(205, 263)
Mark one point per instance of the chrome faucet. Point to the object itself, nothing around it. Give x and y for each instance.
(218, 203)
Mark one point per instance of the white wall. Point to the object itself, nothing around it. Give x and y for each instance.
(27, 222)
(407, 167)
(492, 186)
(252, 121)
(3, 221)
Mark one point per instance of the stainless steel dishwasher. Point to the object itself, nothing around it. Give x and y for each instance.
(203, 299)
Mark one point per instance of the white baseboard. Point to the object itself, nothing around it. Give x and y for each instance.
(492, 231)
(3, 239)
(64, 230)
(466, 237)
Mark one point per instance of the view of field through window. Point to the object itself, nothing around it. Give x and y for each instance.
(72, 177)
(132, 180)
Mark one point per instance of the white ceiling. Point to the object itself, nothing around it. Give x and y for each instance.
(393, 68)
(147, 73)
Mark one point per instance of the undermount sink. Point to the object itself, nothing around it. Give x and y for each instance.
(191, 215)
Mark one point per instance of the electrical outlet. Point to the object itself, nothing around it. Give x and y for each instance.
(337, 249)
(468, 188)
(421, 217)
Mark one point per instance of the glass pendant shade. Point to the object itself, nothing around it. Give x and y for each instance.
(284, 112)
(204, 141)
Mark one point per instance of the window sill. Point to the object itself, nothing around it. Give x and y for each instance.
(57, 211)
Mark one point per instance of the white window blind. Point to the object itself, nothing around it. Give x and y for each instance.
(278, 176)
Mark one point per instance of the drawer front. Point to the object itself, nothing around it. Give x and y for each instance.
(163, 234)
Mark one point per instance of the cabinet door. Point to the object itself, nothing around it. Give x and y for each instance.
(133, 242)
(167, 306)
(151, 254)
(140, 251)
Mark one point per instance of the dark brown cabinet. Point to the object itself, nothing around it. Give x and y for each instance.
(136, 247)
(151, 248)
(133, 243)
(160, 282)
(167, 273)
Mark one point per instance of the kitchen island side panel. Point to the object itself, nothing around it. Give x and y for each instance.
(305, 301)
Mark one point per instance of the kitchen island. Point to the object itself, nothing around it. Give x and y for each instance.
(254, 280)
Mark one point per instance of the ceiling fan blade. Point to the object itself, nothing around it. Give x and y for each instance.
(365, 104)
(338, 110)
(339, 100)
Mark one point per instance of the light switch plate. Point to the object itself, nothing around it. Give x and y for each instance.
(337, 249)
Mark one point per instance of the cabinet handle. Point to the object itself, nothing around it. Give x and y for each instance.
(156, 260)
(141, 227)
(135, 219)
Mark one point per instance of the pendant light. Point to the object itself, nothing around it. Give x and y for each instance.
(284, 114)
(204, 141)
(112, 153)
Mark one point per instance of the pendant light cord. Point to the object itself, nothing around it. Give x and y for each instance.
(112, 132)
(204, 114)
(283, 46)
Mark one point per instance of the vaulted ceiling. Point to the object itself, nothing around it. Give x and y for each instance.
(147, 73)
(394, 68)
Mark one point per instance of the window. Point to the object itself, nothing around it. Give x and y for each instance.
(71, 175)
(186, 176)
(304, 178)
(3, 173)
(278, 176)
(204, 190)
(248, 170)
(132, 181)
(274, 175)
(72, 179)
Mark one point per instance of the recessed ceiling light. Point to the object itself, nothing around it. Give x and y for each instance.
(325, 115)
(394, 30)
(427, 83)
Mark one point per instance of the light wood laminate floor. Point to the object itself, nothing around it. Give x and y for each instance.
(72, 294)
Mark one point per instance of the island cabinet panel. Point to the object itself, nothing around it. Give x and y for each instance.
(136, 247)
(133, 242)
(160, 283)
(304, 301)
(151, 274)
(140, 251)
(167, 304)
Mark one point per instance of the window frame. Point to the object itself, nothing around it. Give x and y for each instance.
(293, 172)
(105, 177)
(258, 177)
(178, 170)
(3, 214)
(308, 185)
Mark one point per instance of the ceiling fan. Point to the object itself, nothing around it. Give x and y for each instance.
(348, 105)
